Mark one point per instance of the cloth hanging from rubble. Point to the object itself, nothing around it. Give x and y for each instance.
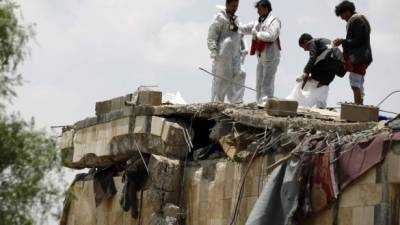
(278, 201)
(358, 158)
(103, 183)
(295, 191)
(134, 180)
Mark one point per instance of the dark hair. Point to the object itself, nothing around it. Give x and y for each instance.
(229, 1)
(305, 38)
(345, 6)
(265, 4)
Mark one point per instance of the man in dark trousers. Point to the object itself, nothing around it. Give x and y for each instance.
(356, 47)
(324, 63)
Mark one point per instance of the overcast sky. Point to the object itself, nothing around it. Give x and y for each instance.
(92, 50)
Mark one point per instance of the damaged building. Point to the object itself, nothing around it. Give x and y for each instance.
(220, 164)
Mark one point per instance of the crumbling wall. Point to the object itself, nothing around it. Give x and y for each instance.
(83, 211)
(183, 189)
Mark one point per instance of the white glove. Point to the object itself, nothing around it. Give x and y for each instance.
(213, 54)
(243, 55)
(301, 77)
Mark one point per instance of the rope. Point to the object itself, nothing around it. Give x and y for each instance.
(141, 156)
(243, 180)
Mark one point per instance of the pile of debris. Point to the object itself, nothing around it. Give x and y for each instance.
(210, 163)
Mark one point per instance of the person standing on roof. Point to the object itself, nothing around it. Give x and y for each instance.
(227, 47)
(356, 47)
(323, 64)
(266, 45)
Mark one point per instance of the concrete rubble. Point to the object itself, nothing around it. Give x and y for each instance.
(199, 154)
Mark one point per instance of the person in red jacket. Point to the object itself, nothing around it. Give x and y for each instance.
(356, 47)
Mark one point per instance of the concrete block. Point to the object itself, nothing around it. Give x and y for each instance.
(173, 133)
(359, 113)
(103, 107)
(165, 173)
(149, 98)
(277, 107)
(157, 124)
(357, 195)
(363, 215)
(117, 103)
(140, 125)
(393, 162)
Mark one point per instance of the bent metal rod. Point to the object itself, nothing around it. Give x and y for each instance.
(214, 75)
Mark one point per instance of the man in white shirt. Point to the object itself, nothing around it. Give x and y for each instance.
(266, 45)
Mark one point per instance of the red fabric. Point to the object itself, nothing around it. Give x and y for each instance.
(355, 68)
(358, 158)
(259, 46)
(323, 181)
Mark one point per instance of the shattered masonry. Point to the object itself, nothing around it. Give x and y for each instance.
(197, 157)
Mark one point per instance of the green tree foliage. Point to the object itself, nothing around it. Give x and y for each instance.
(13, 39)
(27, 168)
(29, 163)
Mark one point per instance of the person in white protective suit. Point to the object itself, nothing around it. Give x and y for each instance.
(266, 45)
(228, 51)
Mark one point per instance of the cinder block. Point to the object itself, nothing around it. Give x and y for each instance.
(149, 98)
(363, 215)
(357, 195)
(359, 113)
(345, 216)
(277, 107)
(393, 162)
(117, 103)
(103, 107)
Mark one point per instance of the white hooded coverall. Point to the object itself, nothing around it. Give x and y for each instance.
(269, 58)
(227, 46)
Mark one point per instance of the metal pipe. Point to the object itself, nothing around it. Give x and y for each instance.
(394, 92)
(214, 75)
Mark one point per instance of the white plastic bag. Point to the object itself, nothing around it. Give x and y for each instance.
(311, 95)
(174, 99)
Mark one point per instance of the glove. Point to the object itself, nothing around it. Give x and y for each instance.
(243, 55)
(301, 77)
(213, 54)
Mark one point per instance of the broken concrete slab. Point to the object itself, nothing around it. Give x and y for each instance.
(157, 135)
(92, 144)
(260, 119)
